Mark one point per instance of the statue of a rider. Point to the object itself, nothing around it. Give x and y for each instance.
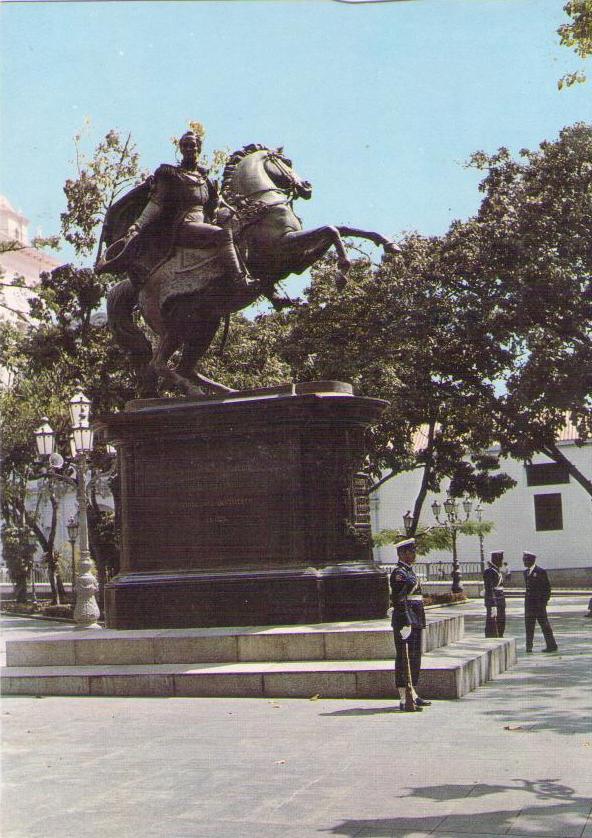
(182, 209)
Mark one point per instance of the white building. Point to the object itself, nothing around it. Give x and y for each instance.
(547, 513)
(27, 262)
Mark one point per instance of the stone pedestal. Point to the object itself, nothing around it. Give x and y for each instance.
(245, 510)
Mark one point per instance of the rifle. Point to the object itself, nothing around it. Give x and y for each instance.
(409, 700)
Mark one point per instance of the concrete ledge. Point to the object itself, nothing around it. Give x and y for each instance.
(447, 673)
(369, 640)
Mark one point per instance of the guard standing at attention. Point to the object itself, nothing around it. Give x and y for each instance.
(495, 597)
(538, 592)
(408, 622)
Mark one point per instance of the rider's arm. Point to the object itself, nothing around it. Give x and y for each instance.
(152, 209)
(213, 203)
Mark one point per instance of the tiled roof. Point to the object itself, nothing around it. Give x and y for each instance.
(568, 433)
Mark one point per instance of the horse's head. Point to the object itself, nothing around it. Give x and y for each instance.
(280, 170)
(257, 170)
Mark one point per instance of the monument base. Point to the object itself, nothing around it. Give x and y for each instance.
(246, 509)
(232, 598)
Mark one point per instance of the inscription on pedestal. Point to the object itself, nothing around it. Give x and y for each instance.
(204, 502)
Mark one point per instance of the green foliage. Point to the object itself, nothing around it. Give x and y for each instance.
(215, 164)
(18, 549)
(426, 540)
(533, 240)
(108, 541)
(433, 538)
(65, 346)
(577, 35)
(113, 168)
(250, 358)
(410, 332)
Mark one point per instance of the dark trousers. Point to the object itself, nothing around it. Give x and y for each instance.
(411, 646)
(496, 626)
(531, 616)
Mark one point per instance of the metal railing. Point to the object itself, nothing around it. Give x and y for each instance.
(40, 576)
(442, 571)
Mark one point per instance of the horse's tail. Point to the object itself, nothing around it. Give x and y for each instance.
(122, 299)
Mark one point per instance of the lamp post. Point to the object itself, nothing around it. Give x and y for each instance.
(72, 527)
(86, 610)
(479, 514)
(452, 523)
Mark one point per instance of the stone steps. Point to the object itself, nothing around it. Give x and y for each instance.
(372, 639)
(340, 660)
(462, 667)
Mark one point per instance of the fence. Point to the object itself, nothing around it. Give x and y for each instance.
(40, 576)
(442, 571)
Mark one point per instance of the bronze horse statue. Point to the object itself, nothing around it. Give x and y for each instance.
(183, 296)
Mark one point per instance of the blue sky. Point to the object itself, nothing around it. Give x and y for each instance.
(378, 104)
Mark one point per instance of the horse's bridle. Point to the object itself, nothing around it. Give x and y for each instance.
(284, 166)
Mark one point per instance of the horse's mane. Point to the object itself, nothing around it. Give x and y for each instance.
(235, 159)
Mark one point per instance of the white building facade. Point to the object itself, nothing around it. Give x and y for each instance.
(547, 512)
(27, 262)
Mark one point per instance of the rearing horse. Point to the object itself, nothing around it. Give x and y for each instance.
(185, 296)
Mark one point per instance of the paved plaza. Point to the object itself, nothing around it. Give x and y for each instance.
(513, 758)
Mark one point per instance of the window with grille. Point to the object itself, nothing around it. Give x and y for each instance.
(545, 474)
(548, 512)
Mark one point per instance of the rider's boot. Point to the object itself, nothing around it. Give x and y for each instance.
(238, 276)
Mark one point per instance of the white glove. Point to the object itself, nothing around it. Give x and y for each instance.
(405, 632)
(494, 612)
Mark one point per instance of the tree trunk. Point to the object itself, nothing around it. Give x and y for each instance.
(51, 575)
(19, 585)
(423, 489)
(60, 586)
(92, 517)
(554, 452)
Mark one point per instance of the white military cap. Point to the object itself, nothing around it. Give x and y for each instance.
(408, 542)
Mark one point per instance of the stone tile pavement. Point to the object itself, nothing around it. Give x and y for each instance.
(513, 758)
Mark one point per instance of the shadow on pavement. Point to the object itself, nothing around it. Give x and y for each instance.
(549, 808)
(366, 711)
(550, 692)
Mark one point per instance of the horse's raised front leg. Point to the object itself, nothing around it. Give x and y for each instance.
(310, 245)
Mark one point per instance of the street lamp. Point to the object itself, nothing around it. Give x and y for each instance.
(45, 438)
(72, 527)
(452, 522)
(86, 610)
(408, 521)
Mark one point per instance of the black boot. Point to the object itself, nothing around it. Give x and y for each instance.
(233, 269)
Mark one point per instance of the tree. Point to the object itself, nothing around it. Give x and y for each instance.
(409, 332)
(434, 538)
(577, 35)
(64, 345)
(21, 406)
(533, 262)
(18, 549)
(251, 355)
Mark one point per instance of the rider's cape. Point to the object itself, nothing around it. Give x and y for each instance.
(155, 244)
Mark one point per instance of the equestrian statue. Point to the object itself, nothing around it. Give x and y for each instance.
(193, 255)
